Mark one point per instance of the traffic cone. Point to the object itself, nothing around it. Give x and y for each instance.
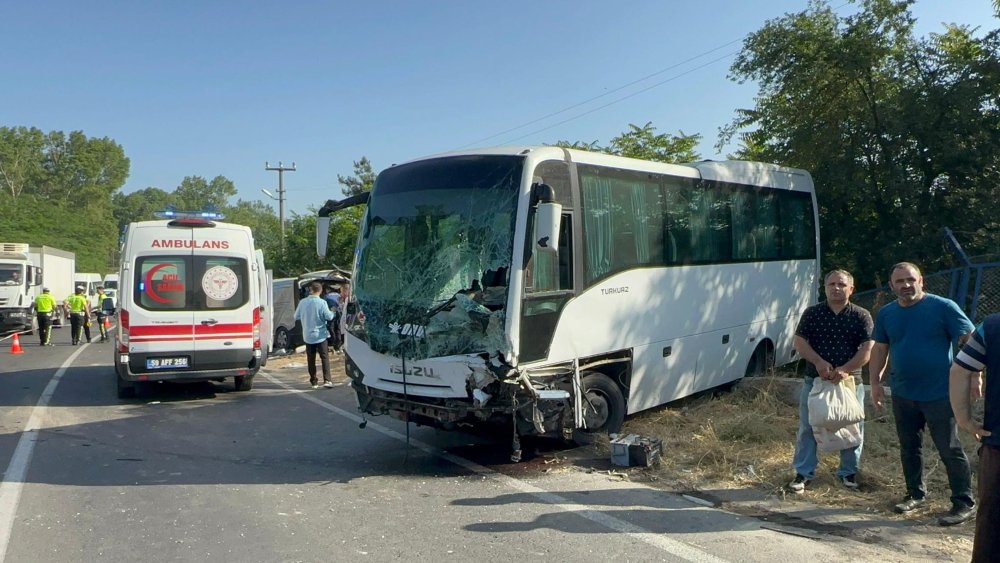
(107, 323)
(15, 345)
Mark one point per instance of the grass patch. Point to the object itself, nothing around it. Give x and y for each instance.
(746, 438)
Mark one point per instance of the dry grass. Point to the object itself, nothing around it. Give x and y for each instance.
(746, 439)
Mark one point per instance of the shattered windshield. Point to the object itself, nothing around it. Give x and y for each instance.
(434, 257)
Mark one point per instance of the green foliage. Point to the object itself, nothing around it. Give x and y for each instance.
(901, 134)
(363, 179)
(645, 144)
(195, 193)
(57, 191)
(139, 206)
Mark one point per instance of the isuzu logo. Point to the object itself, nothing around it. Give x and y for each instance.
(416, 331)
(418, 371)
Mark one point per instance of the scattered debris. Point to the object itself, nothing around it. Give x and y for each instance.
(635, 450)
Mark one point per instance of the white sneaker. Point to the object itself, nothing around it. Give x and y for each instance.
(328, 384)
(315, 386)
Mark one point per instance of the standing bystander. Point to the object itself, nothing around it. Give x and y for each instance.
(313, 312)
(982, 351)
(915, 333)
(332, 297)
(835, 337)
(78, 309)
(99, 312)
(45, 307)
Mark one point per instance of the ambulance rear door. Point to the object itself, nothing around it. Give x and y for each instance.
(161, 332)
(223, 297)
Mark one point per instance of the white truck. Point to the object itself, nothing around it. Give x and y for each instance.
(20, 282)
(58, 268)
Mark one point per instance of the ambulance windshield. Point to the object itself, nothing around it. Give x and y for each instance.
(435, 255)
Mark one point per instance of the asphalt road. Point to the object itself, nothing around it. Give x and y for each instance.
(284, 473)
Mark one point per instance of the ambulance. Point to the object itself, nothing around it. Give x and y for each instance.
(192, 303)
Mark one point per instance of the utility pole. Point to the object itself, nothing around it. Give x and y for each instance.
(281, 194)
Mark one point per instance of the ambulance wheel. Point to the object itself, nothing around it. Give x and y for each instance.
(126, 390)
(603, 407)
(243, 382)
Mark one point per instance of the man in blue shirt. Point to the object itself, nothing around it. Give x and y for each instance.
(982, 351)
(916, 332)
(314, 313)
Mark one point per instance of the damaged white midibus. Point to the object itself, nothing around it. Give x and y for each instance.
(559, 290)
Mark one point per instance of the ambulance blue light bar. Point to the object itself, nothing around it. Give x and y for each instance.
(207, 215)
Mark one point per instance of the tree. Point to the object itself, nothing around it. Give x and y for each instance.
(22, 153)
(139, 206)
(194, 193)
(57, 191)
(362, 181)
(645, 144)
(900, 133)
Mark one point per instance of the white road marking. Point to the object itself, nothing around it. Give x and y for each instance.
(13, 478)
(676, 548)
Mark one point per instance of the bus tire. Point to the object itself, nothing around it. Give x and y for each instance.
(761, 361)
(603, 407)
(243, 382)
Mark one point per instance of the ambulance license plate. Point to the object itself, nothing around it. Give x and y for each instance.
(166, 363)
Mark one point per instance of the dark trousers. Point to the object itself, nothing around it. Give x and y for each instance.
(987, 546)
(911, 418)
(100, 326)
(336, 339)
(322, 350)
(45, 328)
(78, 322)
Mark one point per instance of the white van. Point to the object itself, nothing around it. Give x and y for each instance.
(192, 303)
(89, 281)
(111, 282)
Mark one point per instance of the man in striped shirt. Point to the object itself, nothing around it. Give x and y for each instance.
(982, 351)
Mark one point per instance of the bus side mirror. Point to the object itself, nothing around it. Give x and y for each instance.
(547, 216)
(322, 235)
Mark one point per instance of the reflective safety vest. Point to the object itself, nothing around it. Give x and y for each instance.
(77, 303)
(44, 303)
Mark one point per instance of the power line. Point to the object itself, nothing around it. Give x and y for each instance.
(610, 92)
(623, 98)
(618, 89)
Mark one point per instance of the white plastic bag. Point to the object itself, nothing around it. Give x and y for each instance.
(835, 440)
(834, 405)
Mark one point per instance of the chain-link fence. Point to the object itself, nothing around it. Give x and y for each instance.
(976, 289)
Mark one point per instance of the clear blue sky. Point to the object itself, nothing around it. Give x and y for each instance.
(213, 88)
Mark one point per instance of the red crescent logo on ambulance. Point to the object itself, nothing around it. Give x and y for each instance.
(149, 284)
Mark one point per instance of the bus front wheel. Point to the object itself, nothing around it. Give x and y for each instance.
(761, 361)
(603, 407)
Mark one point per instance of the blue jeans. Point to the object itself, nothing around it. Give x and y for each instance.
(911, 419)
(805, 459)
